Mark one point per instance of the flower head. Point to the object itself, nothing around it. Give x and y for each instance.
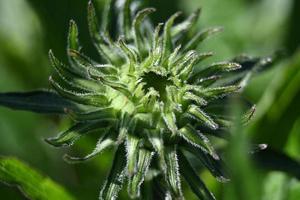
(149, 97)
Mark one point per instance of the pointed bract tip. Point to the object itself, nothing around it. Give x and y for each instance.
(263, 146)
(177, 14)
(51, 141)
(150, 9)
(234, 66)
(215, 156)
(90, 6)
(72, 22)
(71, 160)
(51, 56)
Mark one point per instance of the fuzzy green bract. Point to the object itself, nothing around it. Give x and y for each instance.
(150, 98)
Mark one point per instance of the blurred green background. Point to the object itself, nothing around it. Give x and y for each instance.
(29, 28)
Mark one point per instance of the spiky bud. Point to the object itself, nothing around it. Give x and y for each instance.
(150, 98)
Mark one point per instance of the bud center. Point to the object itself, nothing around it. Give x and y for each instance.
(157, 82)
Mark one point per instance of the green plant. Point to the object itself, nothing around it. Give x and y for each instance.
(32, 184)
(152, 100)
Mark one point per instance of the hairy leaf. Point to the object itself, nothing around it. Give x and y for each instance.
(143, 163)
(202, 116)
(114, 182)
(172, 174)
(167, 38)
(103, 49)
(215, 69)
(215, 166)
(138, 37)
(186, 25)
(197, 139)
(193, 179)
(103, 143)
(198, 38)
(132, 148)
(68, 137)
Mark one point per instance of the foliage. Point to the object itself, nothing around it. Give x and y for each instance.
(29, 181)
(153, 100)
(89, 173)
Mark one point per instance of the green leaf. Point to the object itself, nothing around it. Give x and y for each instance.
(219, 92)
(215, 69)
(114, 182)
(103, 143)
(253, 65)
(73, 36)
(208, 81)
(107, 15)
(141, 15)
(107, 69)
(93, 22)
(167, 38)
(102, 113)
(198, 38)
(129, 53)
(170, 121)
(173, 58)
(32, 184)
(77, 85)
(184, 66)
(132, 148)
(157, 48)
(197, 139)
(186, 25)
(125, 19)
(89, 98)
(187, 70)
(96, 36)
(192, 97)
(101, 74)
(172, 174)
(184, 61)
(157, 142)
(80, 63)
(65, 72)
(67, 138)
(72, 82)
(215, 166)
(143, 163)
(80, 59)
(36, 101)
(200, 115)
(191, 177)
(73, 45)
